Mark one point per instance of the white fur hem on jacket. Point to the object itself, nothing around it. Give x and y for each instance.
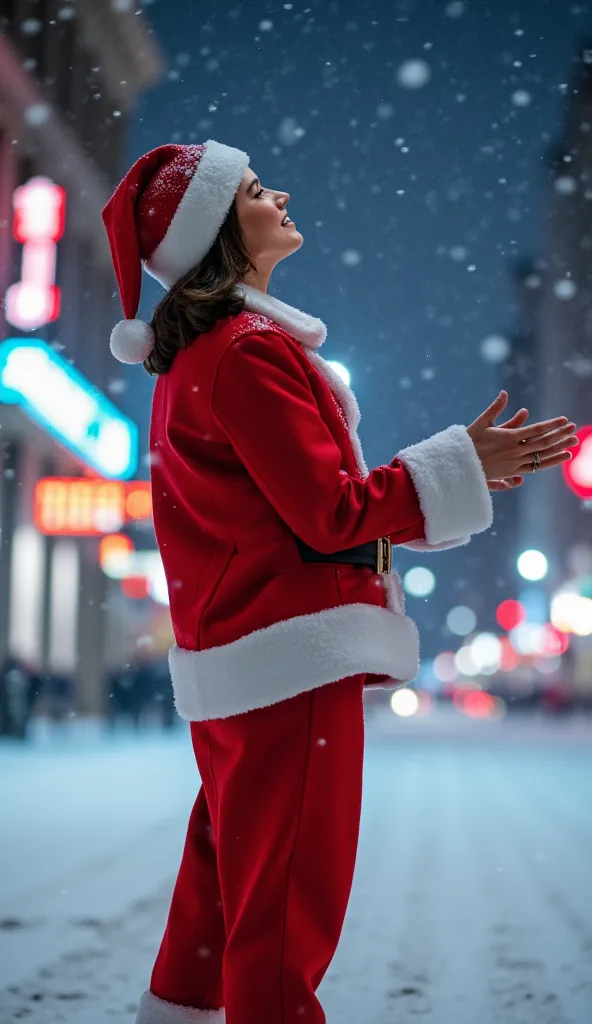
(452, 488)
(153, 1010)
(293, 656)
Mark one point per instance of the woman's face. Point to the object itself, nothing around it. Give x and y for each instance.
(260, 213)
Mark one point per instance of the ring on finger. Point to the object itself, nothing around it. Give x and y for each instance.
(536, 461)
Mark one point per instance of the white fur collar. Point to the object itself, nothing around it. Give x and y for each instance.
(308, 330)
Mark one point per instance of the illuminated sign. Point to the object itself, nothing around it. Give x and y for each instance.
(62, 401)
(578, 471)
(39, 213)
(76, 506)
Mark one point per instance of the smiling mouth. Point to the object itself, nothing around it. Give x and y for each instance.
(287, 223)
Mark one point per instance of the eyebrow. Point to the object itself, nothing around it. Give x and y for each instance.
(255, 181)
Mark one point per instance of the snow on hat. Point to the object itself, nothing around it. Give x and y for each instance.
(166, 215)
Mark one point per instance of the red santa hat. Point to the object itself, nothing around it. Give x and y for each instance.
(166, 215)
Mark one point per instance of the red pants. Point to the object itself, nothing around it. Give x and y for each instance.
(268, 863)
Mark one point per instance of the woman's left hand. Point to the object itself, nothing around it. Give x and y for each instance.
(518, 420)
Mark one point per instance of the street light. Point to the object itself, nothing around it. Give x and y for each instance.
(341, 370)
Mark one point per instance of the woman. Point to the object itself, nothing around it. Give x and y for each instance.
(276, 543)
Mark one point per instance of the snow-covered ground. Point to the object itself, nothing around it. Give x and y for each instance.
(472, 901)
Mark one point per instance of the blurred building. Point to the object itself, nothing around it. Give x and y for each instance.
(552, 518)
(549, 369)
(69, 76)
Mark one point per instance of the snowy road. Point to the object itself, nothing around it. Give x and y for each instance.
(472, 901)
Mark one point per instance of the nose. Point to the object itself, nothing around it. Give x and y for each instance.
(285, 198)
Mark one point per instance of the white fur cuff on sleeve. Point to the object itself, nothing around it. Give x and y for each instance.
(451, 485)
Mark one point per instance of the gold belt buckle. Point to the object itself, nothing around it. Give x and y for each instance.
(384, 557)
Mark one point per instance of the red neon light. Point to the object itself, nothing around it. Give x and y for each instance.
(39, 217)
(81, 506)
(578, 471)
(39, 211)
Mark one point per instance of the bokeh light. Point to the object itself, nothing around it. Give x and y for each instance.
(419, 582)
(510, 614)
(341, 370)
(461, 620)
(404, 702)
(533, 565)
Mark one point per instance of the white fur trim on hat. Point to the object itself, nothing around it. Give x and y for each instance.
(200, 214)
(132, 341)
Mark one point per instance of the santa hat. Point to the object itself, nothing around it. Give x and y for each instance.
(166, 215)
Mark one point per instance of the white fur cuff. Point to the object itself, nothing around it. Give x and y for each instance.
(153, 1010)
(451, 485)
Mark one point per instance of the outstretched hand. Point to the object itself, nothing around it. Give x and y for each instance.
(518, 420)
(506, 448)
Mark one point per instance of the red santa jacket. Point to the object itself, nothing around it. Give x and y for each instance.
(254, 441)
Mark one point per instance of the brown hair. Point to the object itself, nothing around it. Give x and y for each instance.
(202, 297)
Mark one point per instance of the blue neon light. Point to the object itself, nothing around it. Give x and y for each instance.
(62, 401)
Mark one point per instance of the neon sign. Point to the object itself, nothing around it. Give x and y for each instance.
(75, 506)
(39, 215)
(578, 471)
(62, 401)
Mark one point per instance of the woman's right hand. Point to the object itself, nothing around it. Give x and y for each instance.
(506, 453)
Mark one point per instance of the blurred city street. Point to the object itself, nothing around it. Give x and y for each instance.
(472, 899)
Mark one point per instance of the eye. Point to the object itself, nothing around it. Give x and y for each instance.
(259, 193)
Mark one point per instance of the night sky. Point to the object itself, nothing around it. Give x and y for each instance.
(413, 201)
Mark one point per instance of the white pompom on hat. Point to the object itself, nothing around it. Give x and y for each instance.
(165, 216)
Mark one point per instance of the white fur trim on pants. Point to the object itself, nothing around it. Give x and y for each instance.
(153, 1010)
(293, 656)
(451, 486)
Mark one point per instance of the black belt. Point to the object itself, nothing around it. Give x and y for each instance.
(376, 553)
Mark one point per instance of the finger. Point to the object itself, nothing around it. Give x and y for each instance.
(543, 427)
(517, 420)
(505, 485)
(560, 446)
(489, 416)
(555, 460)
(550, 440)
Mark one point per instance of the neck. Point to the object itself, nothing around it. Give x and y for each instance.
(257, 279)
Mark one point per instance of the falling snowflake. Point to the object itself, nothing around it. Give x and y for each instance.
(289, 131)
(413, 74)
(565, 288)
(565, 185)
(31, 26)
(266, 25)
(521, 98)
(455, 9)
(66, 13)
(428, 373)
(116, 386)
(458, 253)
(351, 257)
(495, 348)
(122, 5)
(384, 111)
(581, 366)
(37, 114)
(533, 281)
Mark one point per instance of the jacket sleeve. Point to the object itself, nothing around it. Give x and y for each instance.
(263, 402)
